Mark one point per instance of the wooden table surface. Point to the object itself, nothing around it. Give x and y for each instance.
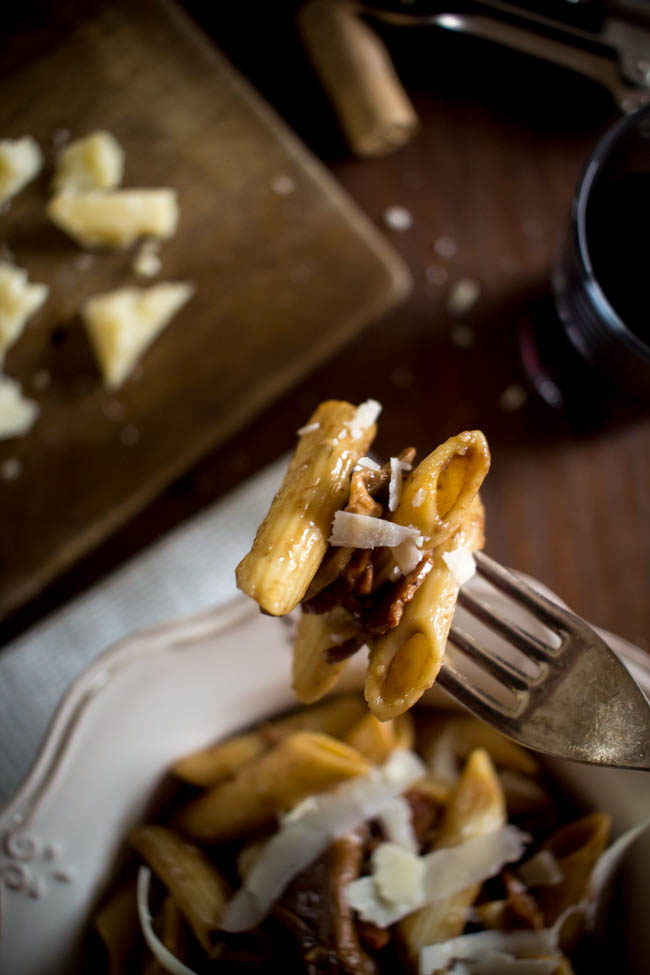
(493, 168)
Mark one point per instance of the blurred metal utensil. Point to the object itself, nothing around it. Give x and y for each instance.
(607, 42)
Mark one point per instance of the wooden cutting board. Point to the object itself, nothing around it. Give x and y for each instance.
(287, 270)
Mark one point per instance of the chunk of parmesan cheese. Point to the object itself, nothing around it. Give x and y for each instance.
(19, 300)
(123, 323)
(443, 873)
(461, 564)
(17, 414)
(398, 876)
(364, 531)
(115, 218)
(95, 162)
(20, 163)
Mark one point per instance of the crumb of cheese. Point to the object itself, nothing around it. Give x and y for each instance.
(115, 218)
(17, 414)
(95, 162)
(19, 300)
(147, 263)
(123, 323)
(20, 162)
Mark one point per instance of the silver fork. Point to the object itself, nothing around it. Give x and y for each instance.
(579, 703)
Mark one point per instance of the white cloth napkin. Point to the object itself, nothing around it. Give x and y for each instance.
(188, 570)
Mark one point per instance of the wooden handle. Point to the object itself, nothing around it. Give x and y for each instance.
(355, 69)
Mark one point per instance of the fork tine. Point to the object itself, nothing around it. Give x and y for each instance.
(479, 702)
(509, 675)
(514, 634)
(549, 612)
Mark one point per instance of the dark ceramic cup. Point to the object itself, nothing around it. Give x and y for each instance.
(586, 345)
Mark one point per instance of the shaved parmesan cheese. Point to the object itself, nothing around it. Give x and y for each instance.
(396, 821)
(168, 961)
(441, 758)
(407, 554)
(123, 323)
(19, 300)
(445, 872)
(398, 876)
(542, 870)
(95, 162)
(365, 416)
(308, 428)
(397, 466)
(17, 414)
(500, 963)
(304, 806)
(299, 841)
(369, 463)
(461, 564)
(473, 947)
(115, 218)
(20, 162)
(364, 531)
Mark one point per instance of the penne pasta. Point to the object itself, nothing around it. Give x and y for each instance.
(437, 496)
(301, 765)
(576, 847)
(374, 739)
(118, 926)
(404, 663)
(210, 765)
(193, 881)
(293, 538)
(370, 836)
(475, 807)
(312, 675)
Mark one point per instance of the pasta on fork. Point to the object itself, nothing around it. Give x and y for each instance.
(374, 555)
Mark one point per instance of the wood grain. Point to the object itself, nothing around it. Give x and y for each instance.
(283, 279)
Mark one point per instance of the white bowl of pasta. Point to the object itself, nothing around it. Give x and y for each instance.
(167, 692)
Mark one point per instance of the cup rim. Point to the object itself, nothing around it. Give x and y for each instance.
(596, 160)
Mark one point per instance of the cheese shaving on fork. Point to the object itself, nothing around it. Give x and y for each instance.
(407, 554)
(365, 416)
(461, 564)
(368, 463)
(304, 837)
(397, 467)
(364, 531)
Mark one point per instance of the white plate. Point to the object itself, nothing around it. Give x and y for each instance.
(152, 698)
